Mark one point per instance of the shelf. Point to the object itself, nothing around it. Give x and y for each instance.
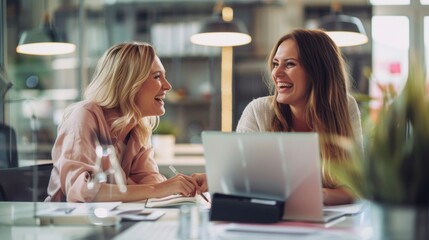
(50, 94)
(189, 102)
(189, 57)
(188, 150)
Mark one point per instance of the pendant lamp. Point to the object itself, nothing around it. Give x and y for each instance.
(344, 30)
(44, 41)
(221, 30)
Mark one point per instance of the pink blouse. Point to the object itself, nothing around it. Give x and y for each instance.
(74, 155)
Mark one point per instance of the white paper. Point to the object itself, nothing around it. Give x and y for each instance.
(145, 215)
(347, 209)
(78, 209)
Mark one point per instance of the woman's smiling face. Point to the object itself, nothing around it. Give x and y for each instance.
(151, 95)
(289, 76)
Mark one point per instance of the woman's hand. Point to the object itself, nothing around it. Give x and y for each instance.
(179, 184)
(336, 196)
(201, 179)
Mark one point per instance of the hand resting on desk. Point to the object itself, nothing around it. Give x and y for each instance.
(337, 196)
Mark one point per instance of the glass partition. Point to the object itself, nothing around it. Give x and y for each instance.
(390, 2)
(390, 56)
(426, 42)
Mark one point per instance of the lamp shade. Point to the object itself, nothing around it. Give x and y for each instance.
(43, 41)
(344, 30)
(217, 32)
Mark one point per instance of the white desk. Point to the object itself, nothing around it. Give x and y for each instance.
(27, 162)
(188, 159)
(13, 214)
(184, 164)
(354, 227)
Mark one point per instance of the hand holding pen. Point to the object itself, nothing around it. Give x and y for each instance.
(173, 169)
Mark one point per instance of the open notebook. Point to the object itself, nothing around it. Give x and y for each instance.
(280, 166)
(169, 201)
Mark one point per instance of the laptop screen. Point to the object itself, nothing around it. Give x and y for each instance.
(272, 165)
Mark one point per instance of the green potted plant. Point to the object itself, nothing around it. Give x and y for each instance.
(393, 173)
(166, 128)
(164, 140)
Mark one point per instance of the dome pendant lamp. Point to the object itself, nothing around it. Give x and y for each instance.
(343, 29)
(43, 41)
(222, 31)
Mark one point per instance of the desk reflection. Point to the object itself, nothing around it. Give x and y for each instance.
(358, 226)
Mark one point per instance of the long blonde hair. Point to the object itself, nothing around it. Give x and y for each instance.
(118, 76)
(327, 100)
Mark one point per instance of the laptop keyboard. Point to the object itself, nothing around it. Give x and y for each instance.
(150, 230)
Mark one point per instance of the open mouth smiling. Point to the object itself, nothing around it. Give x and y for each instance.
(160, 98)
(284, 85)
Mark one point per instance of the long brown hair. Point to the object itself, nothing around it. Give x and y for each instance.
(327, 101)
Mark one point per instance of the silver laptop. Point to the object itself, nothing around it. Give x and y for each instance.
(278, 166)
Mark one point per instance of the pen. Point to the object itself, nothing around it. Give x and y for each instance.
(173, 169)
(66, 210)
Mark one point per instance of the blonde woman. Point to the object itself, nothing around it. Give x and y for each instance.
(310, 95)
(121, 107)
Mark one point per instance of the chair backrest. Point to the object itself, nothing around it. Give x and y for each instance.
(17, 184)
(8, 151)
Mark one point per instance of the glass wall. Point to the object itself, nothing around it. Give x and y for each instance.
(426, 41)
(400, 33)
(390, 56)
(43, 86)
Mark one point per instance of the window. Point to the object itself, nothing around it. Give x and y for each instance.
(399, 32)
(390, 2)
(390, 55)
(426, 42)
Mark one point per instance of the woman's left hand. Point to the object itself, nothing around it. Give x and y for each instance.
(336, 196)
(201, 179)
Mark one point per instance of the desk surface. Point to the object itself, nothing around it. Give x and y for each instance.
(185, 155)
(353, 227)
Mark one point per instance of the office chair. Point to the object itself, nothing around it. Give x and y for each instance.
(8, 150)
(17, 184)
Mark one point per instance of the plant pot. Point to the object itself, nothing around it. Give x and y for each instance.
(397, 222)
(163, 146)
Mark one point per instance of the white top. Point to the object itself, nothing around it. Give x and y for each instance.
(258, 114)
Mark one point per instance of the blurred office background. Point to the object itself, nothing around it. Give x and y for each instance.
(44, 85)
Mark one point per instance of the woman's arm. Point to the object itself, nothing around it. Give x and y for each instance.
(256, 117)
(355, 118)
(337, 196)
(179, 184)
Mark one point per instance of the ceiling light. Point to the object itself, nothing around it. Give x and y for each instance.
(44, 41)
(221, 30)
(343, 29)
